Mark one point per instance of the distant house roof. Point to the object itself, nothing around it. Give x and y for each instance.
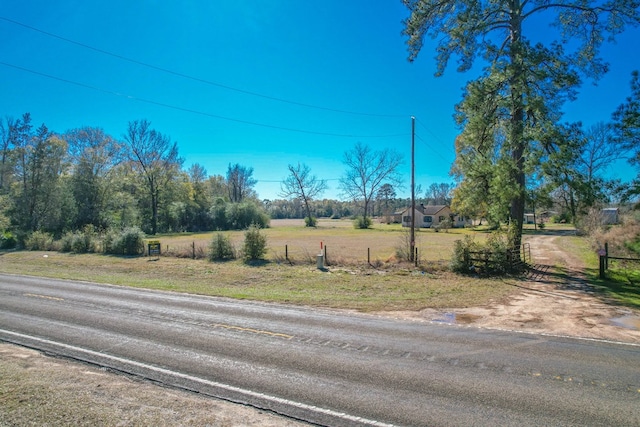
(432, 209)
(426, 210)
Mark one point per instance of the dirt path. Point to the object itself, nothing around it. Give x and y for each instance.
(555, 299)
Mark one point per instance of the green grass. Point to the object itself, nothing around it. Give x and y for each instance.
(621, 286)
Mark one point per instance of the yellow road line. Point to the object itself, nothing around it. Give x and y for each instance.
(254, 331)
(44, 297)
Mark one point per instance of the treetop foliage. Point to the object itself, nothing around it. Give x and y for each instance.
(510, 115)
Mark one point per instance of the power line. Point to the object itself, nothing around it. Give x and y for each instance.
(431, 148)
(272, 181)
(429, 130)
(197, 79)
(188, 110)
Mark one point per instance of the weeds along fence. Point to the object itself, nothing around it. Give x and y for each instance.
(606, 258)
(342, 254)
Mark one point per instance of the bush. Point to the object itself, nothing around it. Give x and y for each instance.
(461, 260)
(39, 241)
(255, 243)
(362, 222)
(495, 256)
(237, 216)
(79, 242)
(221, 248)
(445, 225)
(563, 218)
(7, 240)
(403, 247)
(310, 221)
(129, 241)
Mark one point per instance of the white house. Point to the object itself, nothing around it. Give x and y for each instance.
(432, 215)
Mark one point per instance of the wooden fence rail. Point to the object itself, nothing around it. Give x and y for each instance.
(605, 257)
(489, 262)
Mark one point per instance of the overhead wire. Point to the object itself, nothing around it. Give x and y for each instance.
(430, 147)
(189, 110)
(430, 131)
(197, 79)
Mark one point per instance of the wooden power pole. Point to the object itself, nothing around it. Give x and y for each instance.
(412, 248)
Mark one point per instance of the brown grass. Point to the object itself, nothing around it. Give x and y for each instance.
(616, 236)
(290, 240)
(349, 281)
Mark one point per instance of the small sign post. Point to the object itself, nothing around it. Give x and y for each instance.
(153, 247)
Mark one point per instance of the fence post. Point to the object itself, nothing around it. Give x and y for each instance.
(286, 252)
(602, 263)
(193, 250)
(606, 255)
(326, 262)
(368, 256)
(416, 256)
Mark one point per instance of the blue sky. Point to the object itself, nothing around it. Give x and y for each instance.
(329, 59)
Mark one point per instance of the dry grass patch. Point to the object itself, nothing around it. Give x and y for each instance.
(344, 244)
(40, 391)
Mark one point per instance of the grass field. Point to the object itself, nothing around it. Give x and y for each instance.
(344, 244)
(349, 283)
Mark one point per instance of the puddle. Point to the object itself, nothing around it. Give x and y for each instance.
(628, 322)
(456, 319)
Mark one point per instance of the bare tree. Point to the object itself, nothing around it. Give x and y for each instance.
(367, 171)
(301, 185)
(440, 193)
(157, 159)
(240, 182)
(600, 150)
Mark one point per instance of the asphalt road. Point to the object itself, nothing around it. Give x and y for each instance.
(327, 367)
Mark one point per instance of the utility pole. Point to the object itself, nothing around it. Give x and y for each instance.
(412, 249)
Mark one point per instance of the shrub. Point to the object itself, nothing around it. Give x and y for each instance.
(237, 216)
(79, 242)
(255, 243)
(461, 260)
(403, 247)
(38, 241)
(362, 222)
(221, 248)
(445, 225)
(310, 221)
(129, 241)
(7, 240)
(495, 256)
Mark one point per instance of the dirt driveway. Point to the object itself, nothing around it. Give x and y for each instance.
(555, 299)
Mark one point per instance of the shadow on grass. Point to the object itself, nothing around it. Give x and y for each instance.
(612, 291)
(621, 286)
(548, 232)
(256, 262)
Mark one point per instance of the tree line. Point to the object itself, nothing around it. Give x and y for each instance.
(58, 183)
(82, 179)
